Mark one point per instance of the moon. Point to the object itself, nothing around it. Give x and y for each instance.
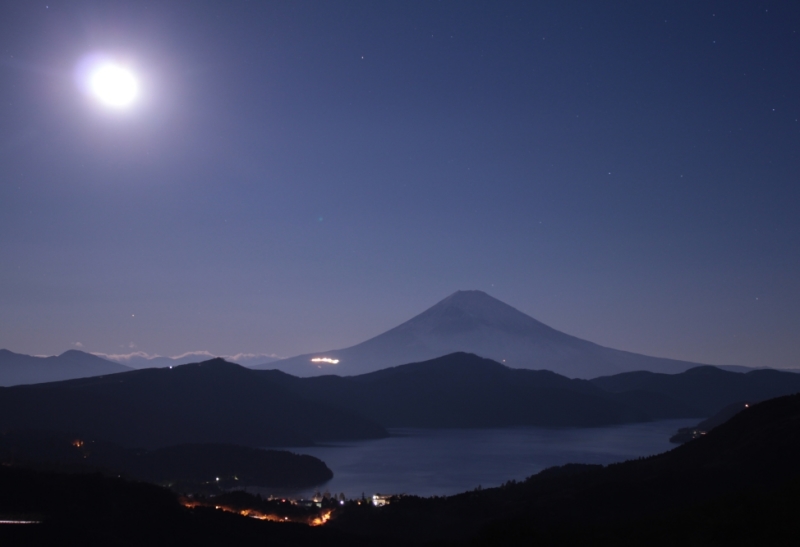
(113, 85)
(108, 80)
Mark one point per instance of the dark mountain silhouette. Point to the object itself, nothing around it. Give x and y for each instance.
(474, 322)
(18, 369)
(706, 389)
(464, 390)
(209, 402)
(732, 484)
(220, 402)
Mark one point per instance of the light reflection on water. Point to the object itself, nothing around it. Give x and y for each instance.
(431, 462)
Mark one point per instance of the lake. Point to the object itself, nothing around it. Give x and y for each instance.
(430, 462)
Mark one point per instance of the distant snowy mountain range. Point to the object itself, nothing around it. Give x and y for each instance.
(140, 359)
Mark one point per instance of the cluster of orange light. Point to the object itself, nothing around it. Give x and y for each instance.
(319, 520)
(322, 519)
(77, 443)
(256, 515)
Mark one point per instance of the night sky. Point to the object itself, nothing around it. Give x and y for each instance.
(297, 176)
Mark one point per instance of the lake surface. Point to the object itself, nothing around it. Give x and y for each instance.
(431, 462)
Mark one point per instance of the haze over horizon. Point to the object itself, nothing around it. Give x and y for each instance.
(281, 178)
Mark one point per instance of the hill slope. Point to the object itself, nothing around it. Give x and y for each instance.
(474, 322)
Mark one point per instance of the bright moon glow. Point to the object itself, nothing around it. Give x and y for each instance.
(113, 85)
(324, 360)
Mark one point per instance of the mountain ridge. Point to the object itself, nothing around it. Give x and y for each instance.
(466, 390)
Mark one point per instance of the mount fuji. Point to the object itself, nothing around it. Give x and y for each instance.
(474, 322)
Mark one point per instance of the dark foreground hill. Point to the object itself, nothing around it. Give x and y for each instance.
(464, 390)
(209, 402)
(474, 322)
(93, 510)
(739, 483)
(17, 369)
